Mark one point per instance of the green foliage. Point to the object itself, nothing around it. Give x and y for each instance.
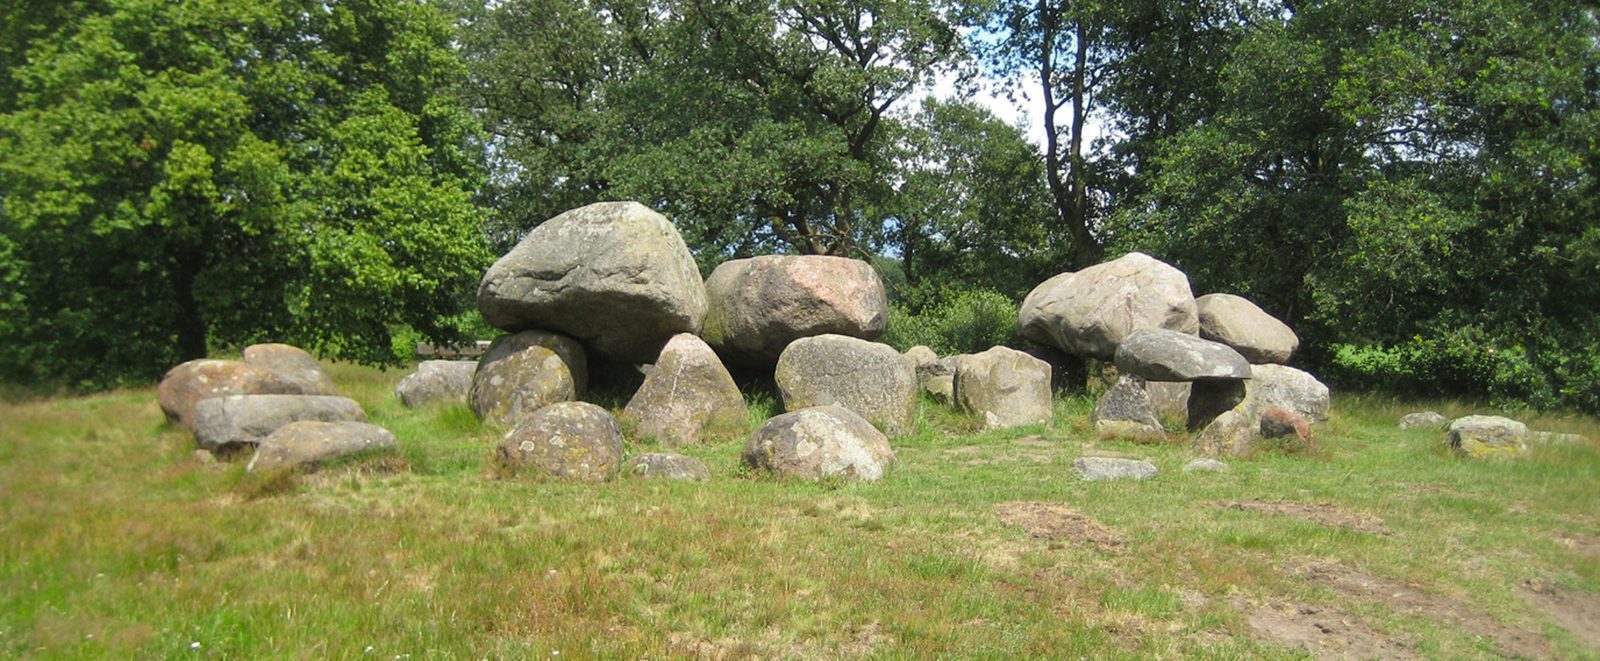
(180, 175)
(961, 321)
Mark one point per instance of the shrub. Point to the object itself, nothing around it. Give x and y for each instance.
(957, 321)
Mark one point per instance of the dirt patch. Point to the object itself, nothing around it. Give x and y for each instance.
(1577, 612)
(1403, 598)
(965, 449)
(1057, 521)
(1580, 544)
(1320, 513)
(1326, 633)
(1034, 442)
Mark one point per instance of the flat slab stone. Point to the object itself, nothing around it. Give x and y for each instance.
(1095, 469)
(1163, 355)
(310, 442)
(663, 466)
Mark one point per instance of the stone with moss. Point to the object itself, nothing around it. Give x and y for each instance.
(820, 442)
(507, 390)
(569, 441)
(1004, 388)
(310, 442)
(687, 397)
(663, 466)
(1488, 437)
(869, 378)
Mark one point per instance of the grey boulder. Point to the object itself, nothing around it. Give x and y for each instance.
(1238, 323)
(310, 442)
(1005, 388)
(1126, 411)
(1424, 420)
(1094, 469)
(1164, 355)
(820, 442)
(1089, 312)
(569, 350)
(186, 385)
(434, 381)
(227, 424)
(1488, 437)
(687, 396)
(615, 275)
(294, 365)
(667, 467)
(506, 390)
(571, 441)
(869, 378)
(757, 306)
(1205, 465)
(1290, 388)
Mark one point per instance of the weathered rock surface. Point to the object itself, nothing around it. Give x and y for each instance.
(1286, 426)
(196, 380)
(922, 359)
(309, 442)
(615, 275)
(1423, 419)
(819, 442)
(1004, 387)
(1089, 312)
(1164, 355)
(574, 441)
(1170, 400)
(757, 306)
(1112, 468)
(1126, 411)
(507, 390)
(226, 424)
(1293, 389)
(687, 396)
(869, 378)
(1488, 437)
(570, 351)
(1238, 323)
(1205, 466)
(294, 365)
(437, 381)
(1231, 434)
(667, 467)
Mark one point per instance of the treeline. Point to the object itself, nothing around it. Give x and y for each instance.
(1411, 184)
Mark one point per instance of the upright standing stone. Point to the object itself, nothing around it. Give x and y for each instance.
(507, 390)
(1293, 389)
(1126, 411)
(761, 304)
(869, 378)
(616, 275)
(687, 396)
(1004, 387)
(1089, 312)
(570, 351)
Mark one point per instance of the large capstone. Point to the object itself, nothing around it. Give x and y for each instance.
(1238, 323)
(311, 442)
(820, 442)
(869, 378)
(186, 385)
(1005, 388)
(687, 396)
(615, 275)
(1163, 355)
(229, 424)
(437, 381)
(574, 441)
(294, 365)
(1089, 312)
(507, 390)
(761, 304)
(1488, 437)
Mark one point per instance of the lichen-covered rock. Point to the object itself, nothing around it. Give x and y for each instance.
(687, 396)
(310, 442)
(228, 424)
(757, 306)
(1093, 469)
(1163, 355)
(1290, 388)
(574, 441)
(294, 365)
(1089, 312)
(667, 467)
(507, 390)
(1126, 411)
(1170, 400)
(1238, 323)
(570, 351)
(186, 385)
(1488, 437)
(869, 378)
(922, 359)
(615, 275)
(437, 381)
(820, 442)
(1232, 434)
(1424, 420)
(1005, 388)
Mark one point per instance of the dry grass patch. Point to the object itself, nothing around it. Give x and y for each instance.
(1320, 513)
(1057, 521)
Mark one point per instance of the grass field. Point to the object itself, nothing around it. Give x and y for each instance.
(115, 541)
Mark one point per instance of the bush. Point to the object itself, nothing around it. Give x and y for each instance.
(958, 321)
(1463, 363)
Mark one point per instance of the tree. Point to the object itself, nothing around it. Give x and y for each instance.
(182, 175)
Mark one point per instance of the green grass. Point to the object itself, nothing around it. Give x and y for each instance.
(115, 542)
